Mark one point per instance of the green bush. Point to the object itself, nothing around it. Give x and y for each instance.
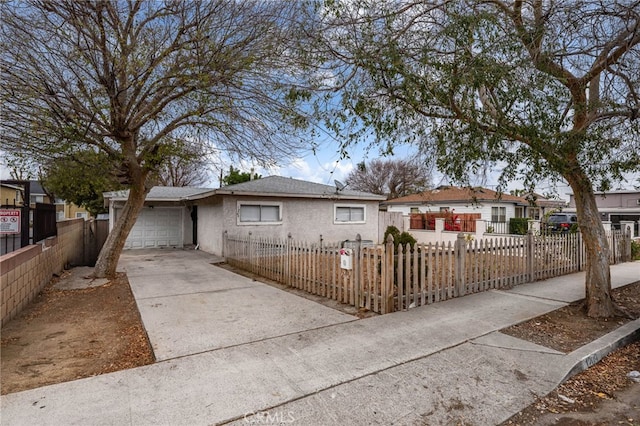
(518, 225)
(635, 249)
(406, 238)
(394, 232)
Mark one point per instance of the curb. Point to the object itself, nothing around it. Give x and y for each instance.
(591, 353)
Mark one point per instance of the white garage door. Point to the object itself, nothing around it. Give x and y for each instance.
(156, 227)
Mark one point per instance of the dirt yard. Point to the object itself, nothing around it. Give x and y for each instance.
(69, 334)
(600, 396)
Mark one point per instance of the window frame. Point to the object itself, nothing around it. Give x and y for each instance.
(349, 206)
(500, 214)
(240, 222)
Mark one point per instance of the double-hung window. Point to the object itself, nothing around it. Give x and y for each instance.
(498, 214)
(349, 213)
(259, 213)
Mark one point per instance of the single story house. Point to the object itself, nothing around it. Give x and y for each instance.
(273, 207)
(495, 208)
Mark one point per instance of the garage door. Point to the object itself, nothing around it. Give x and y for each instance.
(156, 227)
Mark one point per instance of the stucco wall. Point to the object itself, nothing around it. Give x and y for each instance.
(304, 219)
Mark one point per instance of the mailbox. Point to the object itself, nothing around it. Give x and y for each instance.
(346, 258)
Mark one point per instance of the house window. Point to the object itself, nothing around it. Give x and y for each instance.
(519, 212)
(415, 210)
(444, 209)
(498, 214)
(534, 213)
(349, 214)
(267, 213)
(81, 215)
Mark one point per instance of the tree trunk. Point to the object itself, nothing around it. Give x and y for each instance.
(598, 276)
(110, 254)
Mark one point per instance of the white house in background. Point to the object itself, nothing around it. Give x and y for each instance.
(273, 207)
(494, 208)
(276, 207)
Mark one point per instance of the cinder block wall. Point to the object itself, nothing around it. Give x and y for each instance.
(25, 272)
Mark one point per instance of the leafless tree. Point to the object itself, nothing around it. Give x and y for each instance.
(392, 178)
(131, 77)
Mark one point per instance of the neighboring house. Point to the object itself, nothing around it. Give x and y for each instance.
(616, 207)
(494, 208)
(166, 220)
(38, 194)
(68, 210)
(11, 195)
(273, 207)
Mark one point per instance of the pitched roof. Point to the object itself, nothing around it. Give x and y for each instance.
(161, 193)
(288, 187)
(271, 186)
(454, 194)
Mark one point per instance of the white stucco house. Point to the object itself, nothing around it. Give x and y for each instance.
(273, 207)
(494, 208)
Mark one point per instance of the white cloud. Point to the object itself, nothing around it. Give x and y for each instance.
(300, 168)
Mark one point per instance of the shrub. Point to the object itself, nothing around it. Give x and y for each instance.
(635, 249)
(518, 225)
(406, 238)
(394, 232)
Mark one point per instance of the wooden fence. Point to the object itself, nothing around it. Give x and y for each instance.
(385, 278)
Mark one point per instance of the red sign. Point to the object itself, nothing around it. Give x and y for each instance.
(9, 221)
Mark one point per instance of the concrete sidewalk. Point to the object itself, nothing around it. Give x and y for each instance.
(438, 364)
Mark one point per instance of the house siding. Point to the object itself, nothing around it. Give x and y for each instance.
(304, 219)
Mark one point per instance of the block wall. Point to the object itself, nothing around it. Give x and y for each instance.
(25, 272)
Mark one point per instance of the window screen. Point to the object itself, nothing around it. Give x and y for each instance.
(349, 214)
(259, 213)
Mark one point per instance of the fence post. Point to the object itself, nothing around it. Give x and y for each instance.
(287, 261)
(388, 276)
(628, 233)
(250, 254)
(225, 241)
(460, 269)
(357, 267)
(530, 255)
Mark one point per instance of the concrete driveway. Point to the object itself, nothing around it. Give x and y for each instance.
(188, 305)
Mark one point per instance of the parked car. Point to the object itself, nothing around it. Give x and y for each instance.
(561, 223)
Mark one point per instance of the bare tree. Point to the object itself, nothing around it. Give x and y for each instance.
(392, 178)
(188, 167)
(132, 77)
(550, 88)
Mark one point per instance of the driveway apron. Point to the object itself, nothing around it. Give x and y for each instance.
(188, 305)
